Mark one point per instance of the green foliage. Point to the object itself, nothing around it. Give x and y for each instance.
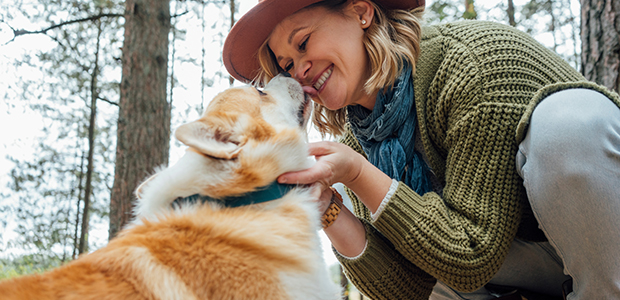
(442, 11)
(25, 265)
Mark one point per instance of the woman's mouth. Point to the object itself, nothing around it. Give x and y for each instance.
(321, 81)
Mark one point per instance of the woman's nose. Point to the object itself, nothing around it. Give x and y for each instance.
(302, 70)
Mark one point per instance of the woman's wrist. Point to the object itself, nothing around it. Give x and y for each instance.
(370, 185)
(330, 215)
(347, 234)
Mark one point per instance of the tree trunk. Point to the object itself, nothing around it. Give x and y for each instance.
(600, 42)
(511, 13)
(77, 210)
(83, 246)
(233, 9)
(144, 115)
(552, 24)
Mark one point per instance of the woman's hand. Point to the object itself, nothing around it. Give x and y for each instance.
(335, 163)
(322, 194)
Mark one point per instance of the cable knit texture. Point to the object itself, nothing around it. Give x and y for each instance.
(476, 85)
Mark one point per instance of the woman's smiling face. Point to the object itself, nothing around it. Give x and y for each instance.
(324, 51)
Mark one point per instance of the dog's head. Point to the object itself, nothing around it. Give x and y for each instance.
(252, 135)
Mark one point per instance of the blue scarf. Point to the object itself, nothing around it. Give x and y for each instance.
(387, 134)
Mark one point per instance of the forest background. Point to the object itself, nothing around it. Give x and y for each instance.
(73, 95)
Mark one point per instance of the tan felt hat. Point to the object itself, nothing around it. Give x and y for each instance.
(249, 33)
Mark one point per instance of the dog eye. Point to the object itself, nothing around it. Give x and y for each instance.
(260, 92)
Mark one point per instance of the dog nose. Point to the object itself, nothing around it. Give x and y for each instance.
(286, 74)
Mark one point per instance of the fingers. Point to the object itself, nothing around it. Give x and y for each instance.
(320, 148)
(316, 190)
(333, 163)
(322, 195)
(318, 173)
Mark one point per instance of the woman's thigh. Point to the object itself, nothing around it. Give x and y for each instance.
(570, 163)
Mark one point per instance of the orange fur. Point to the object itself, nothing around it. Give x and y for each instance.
(262, 251)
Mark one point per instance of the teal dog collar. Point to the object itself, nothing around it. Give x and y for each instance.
(267, 193)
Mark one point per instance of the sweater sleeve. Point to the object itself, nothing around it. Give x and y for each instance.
(462, 238)
(380, 272)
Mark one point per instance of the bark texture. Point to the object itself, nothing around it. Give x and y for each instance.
(600, 42)
(144, 114)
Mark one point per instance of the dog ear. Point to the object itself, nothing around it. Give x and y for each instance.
(138, 192)
(215, 142)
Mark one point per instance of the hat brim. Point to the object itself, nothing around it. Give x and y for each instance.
(252, 29)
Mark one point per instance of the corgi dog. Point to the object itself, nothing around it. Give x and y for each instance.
(215, 225)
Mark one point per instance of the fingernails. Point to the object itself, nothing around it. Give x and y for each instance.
(282, 180)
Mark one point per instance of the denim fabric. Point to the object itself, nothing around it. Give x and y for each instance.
(570, 164)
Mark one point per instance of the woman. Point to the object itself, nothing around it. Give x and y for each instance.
(475, 157)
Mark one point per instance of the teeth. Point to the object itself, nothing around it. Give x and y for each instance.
(319, 83)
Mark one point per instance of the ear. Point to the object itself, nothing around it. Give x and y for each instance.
(138, 192)
(209, 140)
(364, 12)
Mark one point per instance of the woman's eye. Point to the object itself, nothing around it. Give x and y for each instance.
(288, 67)
(302, 46)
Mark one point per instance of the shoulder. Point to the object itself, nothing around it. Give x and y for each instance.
(475, 31)
(477, 40)
(486, 45)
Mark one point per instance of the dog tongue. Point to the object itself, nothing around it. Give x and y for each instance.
(309, 90)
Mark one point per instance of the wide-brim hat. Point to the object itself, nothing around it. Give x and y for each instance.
(253, 28)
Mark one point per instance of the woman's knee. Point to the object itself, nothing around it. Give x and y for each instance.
(573, 125)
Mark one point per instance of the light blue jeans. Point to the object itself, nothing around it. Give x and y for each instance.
(570, 164)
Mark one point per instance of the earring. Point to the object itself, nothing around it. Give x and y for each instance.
(363, 22)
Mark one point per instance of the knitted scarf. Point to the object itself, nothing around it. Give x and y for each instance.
(387, 133)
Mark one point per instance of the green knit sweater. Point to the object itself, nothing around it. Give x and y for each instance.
(476, 85)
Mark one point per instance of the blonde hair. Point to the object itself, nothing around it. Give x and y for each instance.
(392, 39)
